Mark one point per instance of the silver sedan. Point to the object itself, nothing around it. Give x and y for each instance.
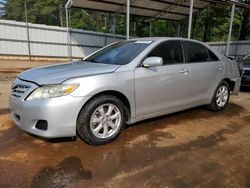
(125, 82)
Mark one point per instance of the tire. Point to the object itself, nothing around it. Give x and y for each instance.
(96, 117)
(219, 104)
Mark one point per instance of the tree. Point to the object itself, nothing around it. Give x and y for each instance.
(39, 11)
(245, 21)
(211, 24)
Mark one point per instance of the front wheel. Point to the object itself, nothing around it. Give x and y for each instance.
(101, 120)
(221, 97)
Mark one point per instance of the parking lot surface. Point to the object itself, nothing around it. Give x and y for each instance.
(193, 148)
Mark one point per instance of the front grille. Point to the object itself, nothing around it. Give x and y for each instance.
(19, 89)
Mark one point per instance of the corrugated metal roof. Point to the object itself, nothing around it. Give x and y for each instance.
(174, 10)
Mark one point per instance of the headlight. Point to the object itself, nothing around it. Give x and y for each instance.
(51, 91)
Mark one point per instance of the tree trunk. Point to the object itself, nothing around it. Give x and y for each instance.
(245, 24)
(206, 30)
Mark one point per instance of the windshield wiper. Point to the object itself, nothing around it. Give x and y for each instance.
(92, 61)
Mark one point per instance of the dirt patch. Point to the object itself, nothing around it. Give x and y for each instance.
(4, 111)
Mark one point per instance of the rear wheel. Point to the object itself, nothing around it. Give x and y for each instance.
(101, 120)
(221, 97)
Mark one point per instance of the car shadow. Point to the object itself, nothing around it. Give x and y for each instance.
(174, 118)
(198, 112)
(55, 140)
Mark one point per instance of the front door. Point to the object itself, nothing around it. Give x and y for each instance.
(162, 87)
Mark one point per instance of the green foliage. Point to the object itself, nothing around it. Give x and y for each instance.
(210, 24)
(39, 11)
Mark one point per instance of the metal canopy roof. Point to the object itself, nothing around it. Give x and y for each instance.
(165, 9)
(174, 10)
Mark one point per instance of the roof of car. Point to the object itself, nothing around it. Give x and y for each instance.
(152, 38)
(164, 38)
(159, 39)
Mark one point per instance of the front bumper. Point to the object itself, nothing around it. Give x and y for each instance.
(60, 113)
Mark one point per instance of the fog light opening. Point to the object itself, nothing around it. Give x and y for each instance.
(42, 125)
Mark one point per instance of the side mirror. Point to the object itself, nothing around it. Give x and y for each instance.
(152, 62)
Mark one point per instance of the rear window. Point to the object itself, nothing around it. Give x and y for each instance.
(195, 52)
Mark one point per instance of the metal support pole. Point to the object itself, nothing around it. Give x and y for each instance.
(230, 29)
(27, 30)
(68, 32)
(127, 19)
(67, 7)
(190, 18)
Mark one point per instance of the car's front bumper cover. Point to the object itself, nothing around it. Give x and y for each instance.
(60, 113)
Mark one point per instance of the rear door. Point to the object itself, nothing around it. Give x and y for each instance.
(205, 70)
(162, 87)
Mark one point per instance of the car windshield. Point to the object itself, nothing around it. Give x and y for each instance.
(119, 53)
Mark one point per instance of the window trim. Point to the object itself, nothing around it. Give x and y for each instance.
(183, 55)
(214, 55)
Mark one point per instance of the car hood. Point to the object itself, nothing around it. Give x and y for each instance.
(55, 74)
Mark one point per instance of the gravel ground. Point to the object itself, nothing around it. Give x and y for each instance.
(193, 148)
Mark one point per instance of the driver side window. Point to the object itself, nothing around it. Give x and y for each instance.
(169, 51)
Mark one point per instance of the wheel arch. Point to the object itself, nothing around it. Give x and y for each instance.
(230, 83)
(117, 94)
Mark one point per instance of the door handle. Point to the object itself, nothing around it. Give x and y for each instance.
(219, 67)
(183, 71)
